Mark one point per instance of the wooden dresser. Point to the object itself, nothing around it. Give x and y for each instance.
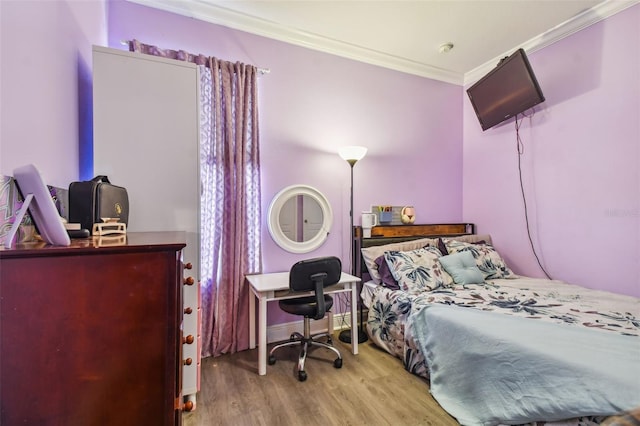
(91, 334)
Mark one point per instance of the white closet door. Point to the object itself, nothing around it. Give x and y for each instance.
(146, 139)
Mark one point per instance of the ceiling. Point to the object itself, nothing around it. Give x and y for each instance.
(407, 35)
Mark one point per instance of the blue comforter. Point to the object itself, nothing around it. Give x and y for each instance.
(487, 368)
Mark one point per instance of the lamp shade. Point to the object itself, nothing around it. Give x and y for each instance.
(352, 153)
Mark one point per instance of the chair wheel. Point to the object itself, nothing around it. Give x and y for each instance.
(302, 376)
(337, 363)
(272, 359)
(292, 337)
(330, 341)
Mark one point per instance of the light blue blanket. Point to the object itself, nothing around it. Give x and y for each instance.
(488, 368)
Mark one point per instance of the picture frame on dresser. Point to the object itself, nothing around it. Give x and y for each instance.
(38, 202)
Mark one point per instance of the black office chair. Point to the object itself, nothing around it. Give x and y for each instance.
(310, 275)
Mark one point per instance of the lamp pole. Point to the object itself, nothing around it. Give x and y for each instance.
(353, 267)
(352, 155)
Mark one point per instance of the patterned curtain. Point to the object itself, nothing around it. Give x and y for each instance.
(230, 198)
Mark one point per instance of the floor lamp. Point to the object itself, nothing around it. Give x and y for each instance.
(351, 154)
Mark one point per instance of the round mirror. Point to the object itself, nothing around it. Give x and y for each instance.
(299, 218)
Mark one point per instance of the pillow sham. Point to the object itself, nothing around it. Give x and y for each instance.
(473, 239)
(418, 270)
(462, 268)
(370, 254)
(488, 260)
(386, 277)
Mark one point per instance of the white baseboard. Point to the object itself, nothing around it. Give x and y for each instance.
(280, 332)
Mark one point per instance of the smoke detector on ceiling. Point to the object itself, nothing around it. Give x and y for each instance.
(445, 47)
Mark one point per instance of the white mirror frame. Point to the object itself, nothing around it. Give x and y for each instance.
(274, 214)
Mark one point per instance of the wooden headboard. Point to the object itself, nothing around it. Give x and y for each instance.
(387, 234)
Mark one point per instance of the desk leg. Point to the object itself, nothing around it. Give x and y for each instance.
(354, 318)
(252, 320)
(262, 336)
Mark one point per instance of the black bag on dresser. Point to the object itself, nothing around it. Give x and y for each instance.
(92, 200)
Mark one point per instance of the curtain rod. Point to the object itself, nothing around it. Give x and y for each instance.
(261, 71)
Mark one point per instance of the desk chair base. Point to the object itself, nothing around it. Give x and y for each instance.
(306, 341)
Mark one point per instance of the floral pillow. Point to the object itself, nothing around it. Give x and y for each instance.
(491, 264)
(370, 254)
(418, 270)
(443, 248)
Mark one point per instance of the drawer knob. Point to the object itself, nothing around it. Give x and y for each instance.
(188, 406)
(188, 310)
(188, 361)
(188, 265)
(188, 340)
(189, 281)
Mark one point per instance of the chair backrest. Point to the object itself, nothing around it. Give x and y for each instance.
(314, 275)
(301, 276)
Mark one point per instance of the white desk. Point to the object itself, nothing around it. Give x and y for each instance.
(275, 286)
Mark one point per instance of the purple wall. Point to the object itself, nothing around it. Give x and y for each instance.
(311, 104)
(46, 84)
(581, 157)
(580, 165)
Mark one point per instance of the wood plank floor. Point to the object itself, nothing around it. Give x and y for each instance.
(371, 388)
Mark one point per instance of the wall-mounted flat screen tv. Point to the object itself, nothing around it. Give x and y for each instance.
(509, 89)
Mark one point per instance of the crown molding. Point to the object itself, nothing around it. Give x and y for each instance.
(565, 29)
(216, 14)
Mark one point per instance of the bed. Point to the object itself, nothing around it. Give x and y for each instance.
(497, 348)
